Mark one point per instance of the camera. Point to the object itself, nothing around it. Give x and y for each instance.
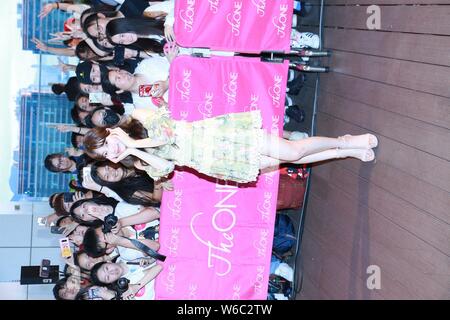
(121, 286)
(109, 223)
(92, 294)
(44, 270)
(68, 196)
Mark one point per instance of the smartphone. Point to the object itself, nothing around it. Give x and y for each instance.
(66, 251)
(56, 230)
(145, 90)
(68, 196)
(44, 270)
(97, 97)
(157, 101)
(93, 294)
(42, 221)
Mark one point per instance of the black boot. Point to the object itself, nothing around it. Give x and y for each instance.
(294, 112)
(296, 84)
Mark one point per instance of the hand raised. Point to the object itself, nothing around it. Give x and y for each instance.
(46, 10)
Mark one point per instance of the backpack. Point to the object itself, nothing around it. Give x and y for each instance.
(284, 234)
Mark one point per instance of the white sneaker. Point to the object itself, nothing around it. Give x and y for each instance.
(294, 20)
(280, 296)
(289, 101)
(286, 119)
(297, 135)
(291, 75)
(304, 39)
(285, 271)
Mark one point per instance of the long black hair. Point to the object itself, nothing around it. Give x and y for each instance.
(99, 201)
(58, 286)
(94, 274)
(141, 27)
(138, 26)
(91, 244)
(89, 18)
(132, 189)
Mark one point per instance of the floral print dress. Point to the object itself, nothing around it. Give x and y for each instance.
(224, 147)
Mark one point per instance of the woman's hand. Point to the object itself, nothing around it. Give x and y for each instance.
(46, 10)
(139, 165)
(40, 45)
(120, 134)
(50, 219)
(171, 52)
(166, 185)
(159, 102)
(71, 151)
(112, 238)
(64, 67)
(126, 153)
(145, 262)
(90, 184)
(159, 88)
(131, 292)
(78, 196)
(117, 227)
(63, 128)
(169, 34)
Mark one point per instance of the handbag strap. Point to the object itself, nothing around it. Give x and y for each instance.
(144, 248)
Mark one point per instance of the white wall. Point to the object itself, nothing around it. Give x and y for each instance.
(24, 243)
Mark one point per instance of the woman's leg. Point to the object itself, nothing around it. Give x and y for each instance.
(361, 154)
(364, 155)
(284, 150)
(289, 151)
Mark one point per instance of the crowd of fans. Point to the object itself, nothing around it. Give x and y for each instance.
(110, 212)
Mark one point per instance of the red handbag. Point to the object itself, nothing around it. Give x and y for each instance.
(291, 192)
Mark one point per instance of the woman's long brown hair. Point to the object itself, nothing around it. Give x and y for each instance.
(93, 140)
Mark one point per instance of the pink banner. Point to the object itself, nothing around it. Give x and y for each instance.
(218, 237)
(249, 26)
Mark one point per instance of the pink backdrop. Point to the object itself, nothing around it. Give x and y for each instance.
(218, 238)
(243, 25)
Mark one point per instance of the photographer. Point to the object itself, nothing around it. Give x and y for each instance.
(89, 211)
(97, 242)
(140, 284)
(85, 263)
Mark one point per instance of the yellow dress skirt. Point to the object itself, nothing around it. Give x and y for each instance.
(224, 147)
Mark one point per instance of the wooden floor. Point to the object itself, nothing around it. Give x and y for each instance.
(395, 213)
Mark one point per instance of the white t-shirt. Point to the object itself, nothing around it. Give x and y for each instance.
(166, 7)
(129, 254)
(129, 108)
(153, 69)
(124, 209)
